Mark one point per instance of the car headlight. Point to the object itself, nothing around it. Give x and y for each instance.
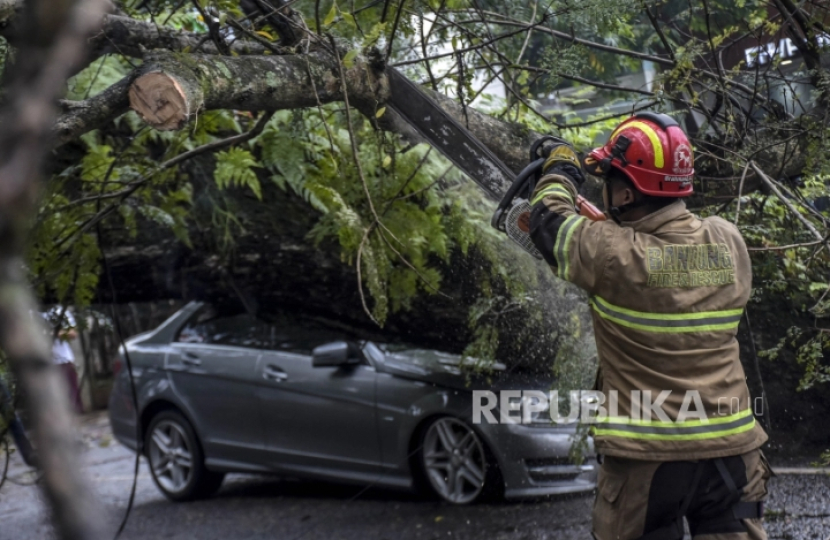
(535, 410)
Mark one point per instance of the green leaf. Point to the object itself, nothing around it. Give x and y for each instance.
(348, 60)
(331, 15)
(95, 166)
(233, 168)
(380, 112)
(285, 154)
(349, 19)
(97, 77)
(157, 215)
(374, 35)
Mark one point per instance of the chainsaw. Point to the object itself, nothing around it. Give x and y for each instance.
(465, 151)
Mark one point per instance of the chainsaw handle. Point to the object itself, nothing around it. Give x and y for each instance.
(537, 145)
(588, 210)
(520, 180)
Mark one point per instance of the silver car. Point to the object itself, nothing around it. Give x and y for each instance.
(220, 392)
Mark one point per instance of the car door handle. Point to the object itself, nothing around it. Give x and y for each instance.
(191, 359)
(274, 373)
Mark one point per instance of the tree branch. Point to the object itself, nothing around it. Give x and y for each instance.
(168, 91)
(786, 202)
(133, 37)
(578, 41)
(80, 117)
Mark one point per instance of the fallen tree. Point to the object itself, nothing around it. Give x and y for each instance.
(209, 82)
(298, 275)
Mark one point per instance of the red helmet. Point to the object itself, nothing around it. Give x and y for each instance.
(653, 151)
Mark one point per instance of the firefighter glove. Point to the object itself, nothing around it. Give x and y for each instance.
(563, 160)
(544, 226)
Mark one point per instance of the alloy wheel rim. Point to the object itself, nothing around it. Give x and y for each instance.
(171, 457)
(454, 460)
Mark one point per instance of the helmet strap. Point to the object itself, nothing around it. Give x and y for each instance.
(613, 211)
(616, 212)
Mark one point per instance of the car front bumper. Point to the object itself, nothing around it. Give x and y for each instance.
(536, 461)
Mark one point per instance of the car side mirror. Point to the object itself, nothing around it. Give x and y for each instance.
(336, 353)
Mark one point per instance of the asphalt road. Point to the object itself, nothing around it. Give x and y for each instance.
(265, 507)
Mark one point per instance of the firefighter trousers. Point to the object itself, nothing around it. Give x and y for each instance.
(721, 498)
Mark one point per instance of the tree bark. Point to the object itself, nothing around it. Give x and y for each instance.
(80, 117)
(183, 85)
(252, 83)
(134, 38)
(271, 83)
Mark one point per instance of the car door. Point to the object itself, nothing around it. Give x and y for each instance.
(213, 367)
(317, 420)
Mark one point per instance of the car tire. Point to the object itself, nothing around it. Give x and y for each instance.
(454, 463)
(176, 459)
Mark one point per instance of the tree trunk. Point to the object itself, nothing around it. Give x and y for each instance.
(53, 38)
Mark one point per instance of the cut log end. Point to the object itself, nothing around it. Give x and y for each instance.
(160, 101)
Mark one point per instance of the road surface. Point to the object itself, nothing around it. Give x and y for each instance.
(259, 507)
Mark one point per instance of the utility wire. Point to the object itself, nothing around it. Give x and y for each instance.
(8, 457)
(129, 365)
(765, 404)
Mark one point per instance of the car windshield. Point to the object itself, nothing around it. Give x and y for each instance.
(397, 347)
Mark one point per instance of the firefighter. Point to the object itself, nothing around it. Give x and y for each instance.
(667, 291)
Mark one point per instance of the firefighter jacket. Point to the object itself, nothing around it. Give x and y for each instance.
(667, 293)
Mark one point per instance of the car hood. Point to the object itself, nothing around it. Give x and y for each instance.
(455, 371)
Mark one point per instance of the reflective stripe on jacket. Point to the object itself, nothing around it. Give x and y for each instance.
(667, 293)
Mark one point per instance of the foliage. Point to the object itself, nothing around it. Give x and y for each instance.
(796, 276)
(234, 168)
(5, 54)
(423, 213)
(426, 210)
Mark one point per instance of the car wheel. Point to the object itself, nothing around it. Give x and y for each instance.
(456, 463)
(176, 459)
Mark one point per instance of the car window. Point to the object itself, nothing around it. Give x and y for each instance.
(241, 330)
(274, 331)
(301, 336)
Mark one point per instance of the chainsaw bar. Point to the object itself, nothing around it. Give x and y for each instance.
(447, 136)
